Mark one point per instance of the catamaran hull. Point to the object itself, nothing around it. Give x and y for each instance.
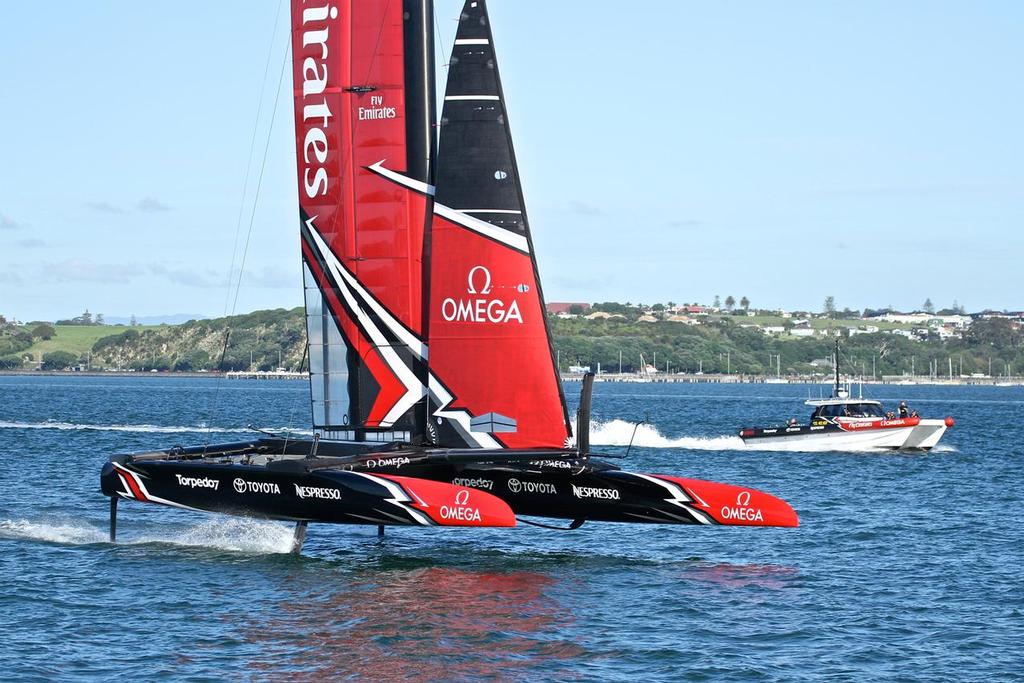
(332, 496)
(922, 435)
(434, 487)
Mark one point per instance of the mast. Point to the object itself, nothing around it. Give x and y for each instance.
(421, 136)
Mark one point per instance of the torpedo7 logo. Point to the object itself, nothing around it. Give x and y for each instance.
(482, 305)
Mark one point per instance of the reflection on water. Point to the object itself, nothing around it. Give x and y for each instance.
(730, 576)
(432, 623)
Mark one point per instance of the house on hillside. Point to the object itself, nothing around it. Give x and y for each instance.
(567, 308)
(693, 310)
(926, 320)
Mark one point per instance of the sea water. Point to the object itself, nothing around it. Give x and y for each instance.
(905, 566)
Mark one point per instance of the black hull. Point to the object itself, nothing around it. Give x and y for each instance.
(272, 480)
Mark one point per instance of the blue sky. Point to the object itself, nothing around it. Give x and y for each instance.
(783, 151)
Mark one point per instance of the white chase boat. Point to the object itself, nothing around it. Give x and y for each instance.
(842, 422)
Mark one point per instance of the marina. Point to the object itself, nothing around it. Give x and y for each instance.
(711, 378)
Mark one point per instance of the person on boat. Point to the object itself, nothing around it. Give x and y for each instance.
(904, 411)
(792, 422)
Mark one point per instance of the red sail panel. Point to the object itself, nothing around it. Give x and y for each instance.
(489, 344)
(363, 233)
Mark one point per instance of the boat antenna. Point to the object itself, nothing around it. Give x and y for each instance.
(636, 427)
(583, 416)
(836, 391)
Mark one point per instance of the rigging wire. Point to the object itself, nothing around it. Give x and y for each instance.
(291, 416)
(212, 413)
(252, 149)
(259, 181)
(445, 52)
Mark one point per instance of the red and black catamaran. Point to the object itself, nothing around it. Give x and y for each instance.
(435, 398)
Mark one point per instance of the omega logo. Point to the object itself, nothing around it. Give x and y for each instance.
(486, 289)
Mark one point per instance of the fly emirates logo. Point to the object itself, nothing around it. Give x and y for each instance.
(481, 305)
(316, 115)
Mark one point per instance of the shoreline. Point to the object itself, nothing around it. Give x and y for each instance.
(565, 377)
(897, 380)
(232, 375)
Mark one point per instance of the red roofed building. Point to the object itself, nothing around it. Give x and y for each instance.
(556, 307)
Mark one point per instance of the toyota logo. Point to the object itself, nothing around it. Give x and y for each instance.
(239, 485)
(514, 486)
(743, 500)
(471, 287)
(462, 497)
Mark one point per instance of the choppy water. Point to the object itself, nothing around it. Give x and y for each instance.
(905, 567)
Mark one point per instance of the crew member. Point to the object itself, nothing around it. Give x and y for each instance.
(792, 422)
(904, 411)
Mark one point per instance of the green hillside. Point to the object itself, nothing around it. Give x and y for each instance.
(77, 339)
(265, 340)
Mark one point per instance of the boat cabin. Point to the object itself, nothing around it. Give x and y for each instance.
(840, 407)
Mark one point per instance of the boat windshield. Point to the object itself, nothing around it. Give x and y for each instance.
(850, 410)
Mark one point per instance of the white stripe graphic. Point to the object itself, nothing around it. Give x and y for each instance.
(398, 497)
(488, 210)
(678, 497)
(414, 390)
(506, 237)
(150, 498)
(461, 417)
(404, 181)
(472, 41)
(416, 345)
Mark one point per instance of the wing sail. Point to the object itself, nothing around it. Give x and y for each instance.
(363, 153)
(490, 347)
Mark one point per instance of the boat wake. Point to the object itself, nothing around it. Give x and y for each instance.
(143, 428)
(620, 432)
(237, 535)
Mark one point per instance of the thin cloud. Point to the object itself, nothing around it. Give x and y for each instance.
(31, 243)
(152, 205)
(8, 223)
(584, 209)
(86, 270)
(10, 278)
(188, 277)
(685, 223)
(104, 207)
(272, 278)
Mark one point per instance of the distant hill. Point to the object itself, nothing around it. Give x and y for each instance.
(265, 340)
(262, 340)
